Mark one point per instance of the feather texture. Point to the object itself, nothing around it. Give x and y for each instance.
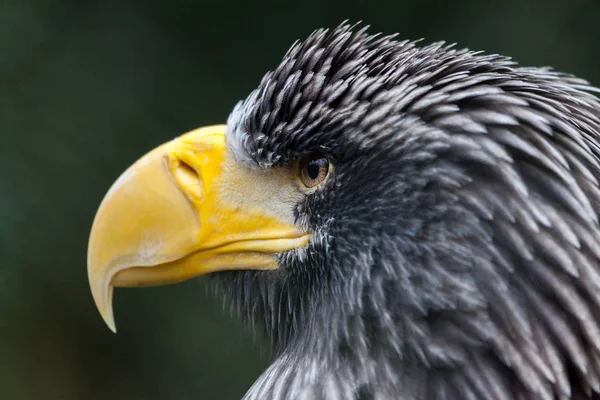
(456, 249)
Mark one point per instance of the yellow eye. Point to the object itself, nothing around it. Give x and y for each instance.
(313, 170)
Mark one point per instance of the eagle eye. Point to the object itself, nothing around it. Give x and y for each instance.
(313, 169)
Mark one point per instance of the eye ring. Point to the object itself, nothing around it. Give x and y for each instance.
(313, 169)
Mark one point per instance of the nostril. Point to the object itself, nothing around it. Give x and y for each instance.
(189, 180)
(186, 171)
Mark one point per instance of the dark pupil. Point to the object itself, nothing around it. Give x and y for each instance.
(313, 169)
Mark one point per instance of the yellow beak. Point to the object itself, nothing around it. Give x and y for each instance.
(186, 209)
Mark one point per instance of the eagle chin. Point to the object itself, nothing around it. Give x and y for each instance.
(401, 222)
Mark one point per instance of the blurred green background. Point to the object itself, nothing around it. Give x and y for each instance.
(86, 87)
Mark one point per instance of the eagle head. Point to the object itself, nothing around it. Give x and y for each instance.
(400, 221)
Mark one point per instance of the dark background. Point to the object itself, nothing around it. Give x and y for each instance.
(86, 87)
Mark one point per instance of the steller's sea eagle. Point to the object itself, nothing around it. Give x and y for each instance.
(401, 222)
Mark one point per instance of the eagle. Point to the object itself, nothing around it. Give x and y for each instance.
(400, 221)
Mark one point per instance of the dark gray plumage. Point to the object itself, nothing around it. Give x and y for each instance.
(457, 251)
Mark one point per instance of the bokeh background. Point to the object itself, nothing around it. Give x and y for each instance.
(86, 87)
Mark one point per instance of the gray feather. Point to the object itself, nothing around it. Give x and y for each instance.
(456, 245)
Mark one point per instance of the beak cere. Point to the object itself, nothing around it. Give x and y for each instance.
(186, 209)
